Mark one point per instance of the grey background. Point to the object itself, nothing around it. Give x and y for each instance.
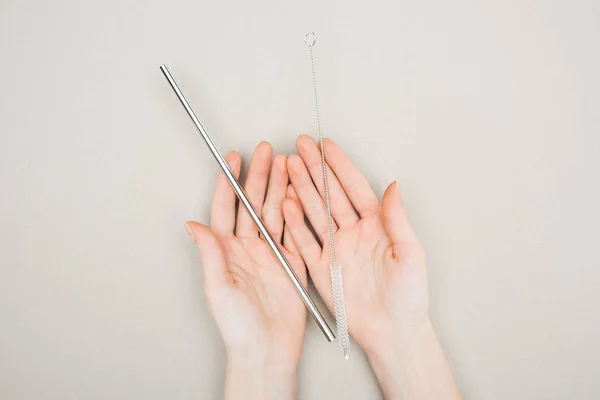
(486, 112)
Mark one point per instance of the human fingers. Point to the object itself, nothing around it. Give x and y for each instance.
(255, 187)
(353, 181)
(341, 208)
(311, 201)
(272, 212)
(288, 240)
(222, 215)
(216, 275)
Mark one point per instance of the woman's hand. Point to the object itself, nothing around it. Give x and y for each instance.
(383, 265)
(383, 269)
(258, 311)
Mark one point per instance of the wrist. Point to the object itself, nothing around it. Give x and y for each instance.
(398, 345)
(392, 337)
(260, 378)
(410, 364)
(264, 359)
(263, 366)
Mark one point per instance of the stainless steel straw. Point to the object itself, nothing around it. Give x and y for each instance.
(310, 305)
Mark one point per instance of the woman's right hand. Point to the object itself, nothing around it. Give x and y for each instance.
(258, 311)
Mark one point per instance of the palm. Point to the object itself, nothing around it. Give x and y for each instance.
(266, 307)
(383, 266)
(250, 295)
(374, 278)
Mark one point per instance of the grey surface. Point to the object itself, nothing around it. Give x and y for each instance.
(486, 112)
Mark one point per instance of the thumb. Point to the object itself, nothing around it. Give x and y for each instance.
(211, 253)
(394, 217)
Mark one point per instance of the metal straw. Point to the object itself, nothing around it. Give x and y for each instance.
(308, 302)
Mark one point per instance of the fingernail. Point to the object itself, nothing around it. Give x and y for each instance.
(281, 157)
(260, 143)
(302, 142)
(232, 160)
(188, 230)
(399, 188)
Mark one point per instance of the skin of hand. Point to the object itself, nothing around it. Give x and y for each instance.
(259, 314)
(383, 268)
